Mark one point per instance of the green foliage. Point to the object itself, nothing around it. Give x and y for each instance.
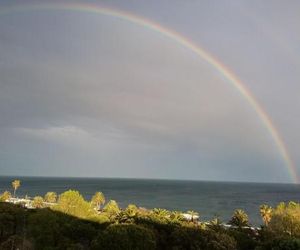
(131, 210)
(111, 208)
(71, 202)
(159, 215)
(245, 238)
(193, 214)
(160, 212)
(125, 237)
(286, 220)
(266, 213)
(191, 238)
(50, 197)
(176, 217)
(74, 224)
(239, 218)
(38, 202)
(50, 229)
(5, 196)
(11, 220)
(98, 200)
(280, 244)
(128, 215)
(16, 184)
(16, 242)
(102, 218)
(44, 227)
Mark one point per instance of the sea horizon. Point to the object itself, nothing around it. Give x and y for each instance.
(145, 178)
(210, 198)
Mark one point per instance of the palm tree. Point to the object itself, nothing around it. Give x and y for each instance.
(239, 218)
(51, 197)
(98, 200)
(193, 214)
(16, 184)
(266, 213)
(128, 215)
(161, 212)
(176, 216)
(38, 202)
(131, 210)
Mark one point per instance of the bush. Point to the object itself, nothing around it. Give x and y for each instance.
(11, 220)
(125, 237)
(188, 238)
(286, 220)
(281, 244)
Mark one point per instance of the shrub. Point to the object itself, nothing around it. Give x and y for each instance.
(286, 220)
(125, 237)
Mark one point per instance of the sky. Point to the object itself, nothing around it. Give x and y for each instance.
(92, 95)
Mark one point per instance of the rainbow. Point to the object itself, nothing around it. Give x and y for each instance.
(183, 41)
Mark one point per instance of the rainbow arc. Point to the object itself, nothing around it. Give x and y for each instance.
(185, 42)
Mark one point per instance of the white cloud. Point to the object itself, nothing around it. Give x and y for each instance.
(64, 134)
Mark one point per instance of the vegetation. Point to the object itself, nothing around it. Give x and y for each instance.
(50, 197)
(38, 202)
(266, 214)
(71, 222)
(239, 218)
(98, 200)
(5, 196)
(16, 184)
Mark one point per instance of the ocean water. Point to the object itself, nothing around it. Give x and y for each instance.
(208, 198)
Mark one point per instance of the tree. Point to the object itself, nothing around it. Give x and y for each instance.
(266, 213)
(193, 214)
(112, 208)
(128, 215)
(50, 197)
(161, 212)
(239, 218)
(16, 184)
(125, 237)
(286, 220)
(38, 202)
(71, 202)
(176, 217)
(98, 200)
(131, 210)
(5, 196)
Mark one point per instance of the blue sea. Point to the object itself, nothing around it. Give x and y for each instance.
(210, 199)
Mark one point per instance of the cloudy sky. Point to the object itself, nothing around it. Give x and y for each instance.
(85, 94)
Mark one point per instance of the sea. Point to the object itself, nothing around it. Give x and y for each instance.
(208, 198)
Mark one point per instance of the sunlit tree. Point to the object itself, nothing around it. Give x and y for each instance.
(16, 184)
(286, 220)
(239, 218)
(131, 210)
(71, 202)
(111, 208)
(193, 214)
(50, 197)
(266, 213)
(176, 216)
(5, 196)
(98, 200)
(38, 202)
(161, 212)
